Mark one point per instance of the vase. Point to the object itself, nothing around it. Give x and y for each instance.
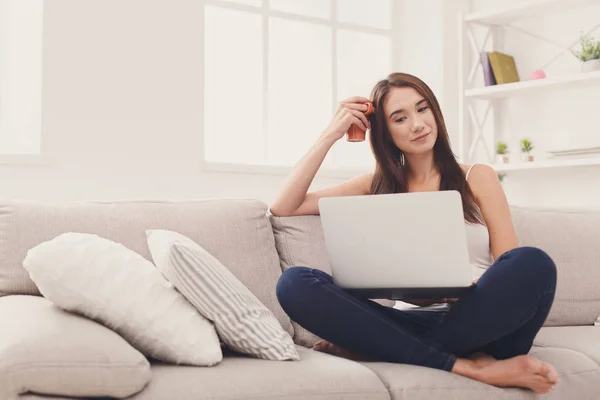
(590, 65)
(502, 159)
(527, 157)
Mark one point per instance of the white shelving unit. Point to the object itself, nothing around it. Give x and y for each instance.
(548, 164)
(534, 8)
(532, 87)
(493, 22)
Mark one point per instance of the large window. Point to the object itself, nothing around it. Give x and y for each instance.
(20, 76)
(276, 69)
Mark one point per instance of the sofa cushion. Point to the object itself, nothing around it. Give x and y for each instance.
(46, 350)
(236, 231)
(107, 282)
(584, 339)
(241, 320)
(572, 239)
(579, 379)
(315, 376)
(300, 242)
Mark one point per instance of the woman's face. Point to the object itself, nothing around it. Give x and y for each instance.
(410, 121)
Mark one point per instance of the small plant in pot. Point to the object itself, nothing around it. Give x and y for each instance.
(502, 152)
(589, 54)
(526, 147)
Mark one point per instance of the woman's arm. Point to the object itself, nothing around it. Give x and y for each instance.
(494, 206)
(293, 198)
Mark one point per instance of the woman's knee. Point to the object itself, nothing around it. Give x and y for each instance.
(287, 281)
(535, 265)
(293, 287)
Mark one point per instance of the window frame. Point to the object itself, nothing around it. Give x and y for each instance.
(266, 13)
(38, 158)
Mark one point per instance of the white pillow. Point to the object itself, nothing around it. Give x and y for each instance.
(114, 285)
(242, 321)
(46, 350)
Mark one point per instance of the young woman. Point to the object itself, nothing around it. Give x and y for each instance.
(484, 335)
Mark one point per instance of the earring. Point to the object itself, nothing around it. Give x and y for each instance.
(402, 160)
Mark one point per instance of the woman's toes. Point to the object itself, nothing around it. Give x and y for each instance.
(321, 345)
(548, 372)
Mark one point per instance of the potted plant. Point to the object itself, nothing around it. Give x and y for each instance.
(526, 147)
(589, 54)
(502, 152)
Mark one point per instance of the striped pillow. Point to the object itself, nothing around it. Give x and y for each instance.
(241, 320)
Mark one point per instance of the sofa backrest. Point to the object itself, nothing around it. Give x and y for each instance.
(572, 239)
(235, 231)
(256, 247)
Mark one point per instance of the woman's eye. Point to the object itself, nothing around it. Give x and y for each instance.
(401, 119)
(423, 109)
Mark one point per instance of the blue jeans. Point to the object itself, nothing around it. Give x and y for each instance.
(500, 316)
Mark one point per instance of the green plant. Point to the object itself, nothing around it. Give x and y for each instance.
(526, 146)
(501, 148)
(590, 49)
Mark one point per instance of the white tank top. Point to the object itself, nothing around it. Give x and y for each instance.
(480, 257)
(478, 240)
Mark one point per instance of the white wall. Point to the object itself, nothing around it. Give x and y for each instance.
(122, 103)
(122, 107)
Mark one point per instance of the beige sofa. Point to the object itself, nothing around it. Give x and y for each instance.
(256, 246)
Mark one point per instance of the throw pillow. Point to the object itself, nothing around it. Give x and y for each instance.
(241, 320)
(105, 281)
(46, 350)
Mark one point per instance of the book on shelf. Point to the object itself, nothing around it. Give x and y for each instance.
(488, 75)
(498, 68)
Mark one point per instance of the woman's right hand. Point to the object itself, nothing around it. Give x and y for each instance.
(349, 111)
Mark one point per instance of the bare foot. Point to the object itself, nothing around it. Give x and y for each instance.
(521, 371)
(482, 359)
(327, 347)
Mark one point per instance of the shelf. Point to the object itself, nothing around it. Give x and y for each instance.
(534, 8)
(533, 86)
(548, 164)
(472, 119)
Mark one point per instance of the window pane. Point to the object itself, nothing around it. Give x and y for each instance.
(363, 59)
(357, 74)
(311, 8)
(233, 70)
(300, 88)
(256, 3)
(21, 25)
(374, 13)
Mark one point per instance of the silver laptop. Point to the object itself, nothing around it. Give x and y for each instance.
(395, 246)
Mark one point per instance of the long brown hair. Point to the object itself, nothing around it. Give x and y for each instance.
(390, 175)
